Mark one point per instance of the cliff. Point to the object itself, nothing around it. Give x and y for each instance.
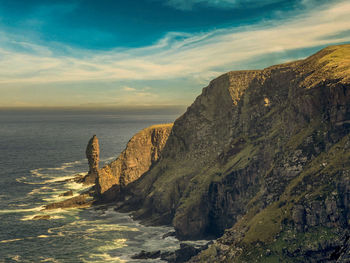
(141, 152)
(264, 154)
(261, 159)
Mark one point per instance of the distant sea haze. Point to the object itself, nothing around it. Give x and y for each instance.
(104, 109)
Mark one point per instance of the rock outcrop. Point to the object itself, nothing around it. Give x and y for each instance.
(67, 193)
(141, 152)
(80, 201)
(263, 154)
(41, 217)
(183, 254)
(93, 156)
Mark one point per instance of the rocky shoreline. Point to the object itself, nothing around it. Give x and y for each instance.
(183, 254)
(260, 160)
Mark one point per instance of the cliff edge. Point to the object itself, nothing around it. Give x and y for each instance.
(261, 159)
(141, 152)
(265, 152)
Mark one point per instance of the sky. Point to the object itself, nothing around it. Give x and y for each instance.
(150, 53)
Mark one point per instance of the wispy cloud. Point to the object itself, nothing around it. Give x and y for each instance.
(126, 88)
(190, 4)
(200, 56)
(146, 94)
(140, 92)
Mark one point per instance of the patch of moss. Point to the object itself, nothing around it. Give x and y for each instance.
(265, 225)
(288, 245)
(242, 159)
(299, 138)
(197, 187)
(208, 255)
(322, 169)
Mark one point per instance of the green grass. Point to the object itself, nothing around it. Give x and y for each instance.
(338, 61)
(265, 225)
(289, 241)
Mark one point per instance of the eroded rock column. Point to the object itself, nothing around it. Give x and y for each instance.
(93, 156)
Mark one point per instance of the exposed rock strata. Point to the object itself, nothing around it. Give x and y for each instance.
(264, 151)
(141, 152)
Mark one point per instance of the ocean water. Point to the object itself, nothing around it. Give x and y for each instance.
(39, 149)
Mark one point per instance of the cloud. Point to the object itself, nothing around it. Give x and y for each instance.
(139, 93)
(199, 56)
(146, 94)
(126, 88)
(187, 5)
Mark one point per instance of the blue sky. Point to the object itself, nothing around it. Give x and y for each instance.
(150, 52)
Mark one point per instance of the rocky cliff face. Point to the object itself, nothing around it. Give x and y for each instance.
(141, 152)
(93, 156)
(265, 152)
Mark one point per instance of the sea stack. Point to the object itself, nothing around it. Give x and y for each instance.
(93, 156)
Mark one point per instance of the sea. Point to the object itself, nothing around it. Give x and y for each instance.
(39, 150)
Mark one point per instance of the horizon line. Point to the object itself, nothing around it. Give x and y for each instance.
(147, 108)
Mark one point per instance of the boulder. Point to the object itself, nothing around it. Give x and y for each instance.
(68, 193)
